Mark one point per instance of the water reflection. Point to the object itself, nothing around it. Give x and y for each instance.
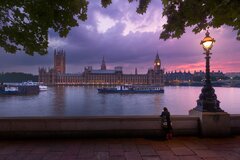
(58, 100)
(82, 101)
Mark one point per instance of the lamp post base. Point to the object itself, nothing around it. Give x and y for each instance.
(210, 105)
(213, 124)
(207, 101)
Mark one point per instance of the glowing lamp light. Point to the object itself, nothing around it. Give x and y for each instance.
(207, 42)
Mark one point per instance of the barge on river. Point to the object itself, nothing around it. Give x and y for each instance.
(132, 89)
(19, 89)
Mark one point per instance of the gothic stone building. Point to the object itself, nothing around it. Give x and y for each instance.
(103, 76)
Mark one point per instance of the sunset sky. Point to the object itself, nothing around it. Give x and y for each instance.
(128, 39)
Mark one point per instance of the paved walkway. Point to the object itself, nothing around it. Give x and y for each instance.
(180, 148)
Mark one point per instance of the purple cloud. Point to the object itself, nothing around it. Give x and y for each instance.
(128, 39)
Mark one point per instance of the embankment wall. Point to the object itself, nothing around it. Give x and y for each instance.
(101, 126)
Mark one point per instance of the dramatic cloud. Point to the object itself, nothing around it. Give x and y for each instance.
(128, 39)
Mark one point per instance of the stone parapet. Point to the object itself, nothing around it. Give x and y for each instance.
(108, 126)
(96, 125)
(214, 124)
(235, 123)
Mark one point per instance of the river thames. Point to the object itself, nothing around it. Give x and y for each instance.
(86, 101)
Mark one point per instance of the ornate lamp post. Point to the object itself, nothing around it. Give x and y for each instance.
(207, 101)
(213, 120)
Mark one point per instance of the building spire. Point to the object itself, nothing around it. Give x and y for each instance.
(157, 56)
(103, 66)
(157, 62)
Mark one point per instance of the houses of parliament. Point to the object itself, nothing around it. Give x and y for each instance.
(103, 76)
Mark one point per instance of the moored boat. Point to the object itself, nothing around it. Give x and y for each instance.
(18, 89)
(39, 84)
(132, 89)
(43, 88)
(7, 90)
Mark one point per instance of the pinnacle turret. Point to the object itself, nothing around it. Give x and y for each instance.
(103, 66)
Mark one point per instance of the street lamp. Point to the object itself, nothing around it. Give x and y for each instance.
(207, 101)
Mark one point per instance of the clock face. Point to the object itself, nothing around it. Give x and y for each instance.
(158, 64)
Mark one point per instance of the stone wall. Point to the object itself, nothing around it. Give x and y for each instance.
(101, 126)
(95, 126)
(235, 123)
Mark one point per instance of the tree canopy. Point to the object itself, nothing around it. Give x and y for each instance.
(24, 25)
(199, 14)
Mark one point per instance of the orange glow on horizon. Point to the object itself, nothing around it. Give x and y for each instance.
(231, 66)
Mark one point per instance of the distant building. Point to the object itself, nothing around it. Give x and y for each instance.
(233, 74)
(59, 61)
(178, 76)
(102, 76)
(187, 76)
(218, 75)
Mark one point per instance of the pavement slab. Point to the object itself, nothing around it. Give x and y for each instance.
(230, 155)
(195, 145)
(151, 158)
(8, 150)
(102, 155)
(52, 156)
(130, 147)
(179, 148)
(133, 156)
(146, 150)
(33, 157)
(167, 155)
(3, 157)
(117, 158)
(207, 154)
(160, 146)
(101, 147)
(189, 158)
(182, 151)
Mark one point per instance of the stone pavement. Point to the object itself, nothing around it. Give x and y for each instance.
(179, 148)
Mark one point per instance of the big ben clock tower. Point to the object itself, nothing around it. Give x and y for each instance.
(157, 63)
